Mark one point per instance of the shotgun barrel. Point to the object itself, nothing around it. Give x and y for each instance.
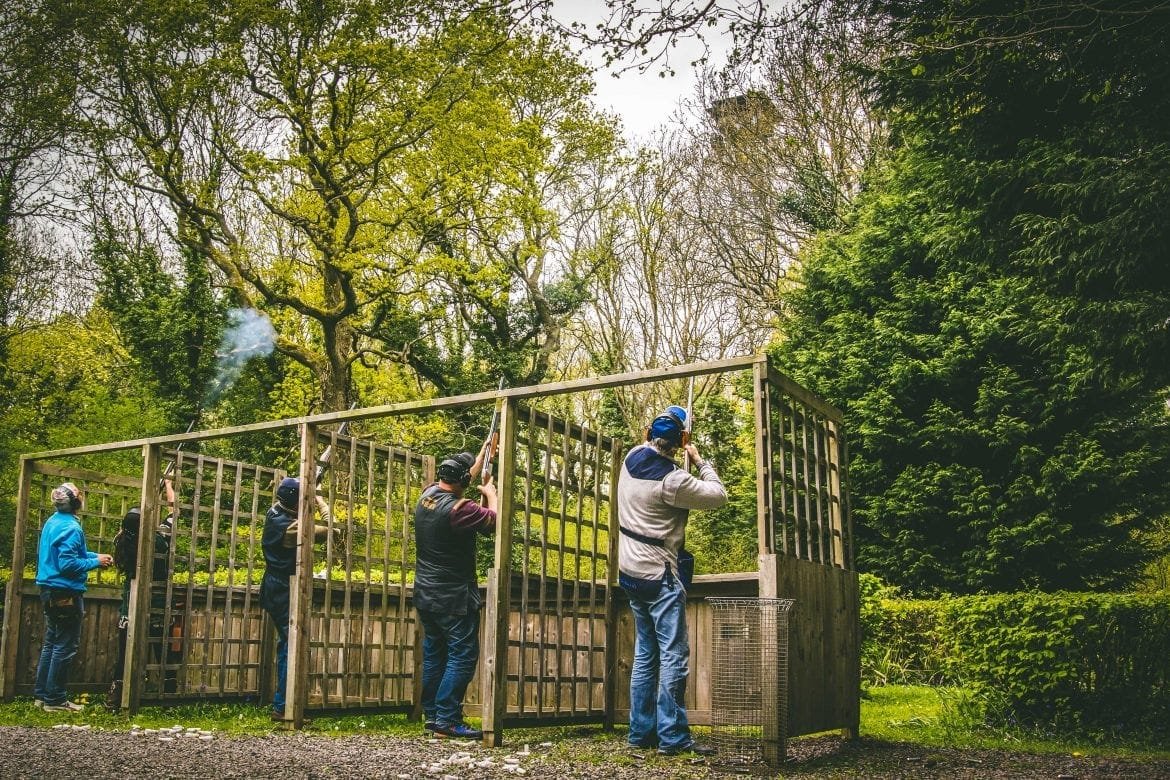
(323, 462)
(491, 437)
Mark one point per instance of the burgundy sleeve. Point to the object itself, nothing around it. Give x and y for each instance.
(470, 516)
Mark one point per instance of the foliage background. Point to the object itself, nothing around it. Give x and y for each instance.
(947, 219)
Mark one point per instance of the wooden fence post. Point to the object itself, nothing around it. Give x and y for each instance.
(10, 636)
(611, 585)
(766, 530)
(139, 611)
(494, 687)
(772, 742)
(296, 689)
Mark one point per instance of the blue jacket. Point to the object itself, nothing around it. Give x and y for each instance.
(63, 561)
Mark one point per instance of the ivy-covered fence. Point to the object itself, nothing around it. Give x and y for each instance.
(1091, 660)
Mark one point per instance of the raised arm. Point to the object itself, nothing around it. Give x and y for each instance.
(706, 491)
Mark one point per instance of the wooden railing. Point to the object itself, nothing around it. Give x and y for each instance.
(817, 662)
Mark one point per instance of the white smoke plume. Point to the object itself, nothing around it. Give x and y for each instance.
(249, 334)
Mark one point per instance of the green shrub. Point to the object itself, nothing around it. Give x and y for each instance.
(1096, 663)
(899, 638)
(911, 646)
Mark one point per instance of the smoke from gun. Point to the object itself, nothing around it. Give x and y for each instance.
(249, 334)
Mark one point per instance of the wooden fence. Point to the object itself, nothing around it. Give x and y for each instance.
(557, 639)
(808, 710)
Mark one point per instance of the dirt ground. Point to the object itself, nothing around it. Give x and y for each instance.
(84, 752)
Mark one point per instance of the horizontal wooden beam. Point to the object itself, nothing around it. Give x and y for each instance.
(424, 405)
(806, 397)
(89, 475)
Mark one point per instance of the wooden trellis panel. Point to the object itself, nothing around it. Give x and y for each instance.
(560, 570)
(207, 636)
(800, 474)
(363, 630)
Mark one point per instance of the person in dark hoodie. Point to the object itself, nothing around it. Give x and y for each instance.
(63, 564)
(446, 593)
(126, 562)
(281, 532)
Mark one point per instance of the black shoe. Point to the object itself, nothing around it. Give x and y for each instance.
(429, 726)
(457, 730)
(697, 748)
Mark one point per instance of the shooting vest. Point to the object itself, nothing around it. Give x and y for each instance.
(444, 578)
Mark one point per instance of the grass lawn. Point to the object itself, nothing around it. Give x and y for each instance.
(928, 716)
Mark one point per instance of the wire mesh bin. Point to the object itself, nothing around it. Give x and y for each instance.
(749, 679)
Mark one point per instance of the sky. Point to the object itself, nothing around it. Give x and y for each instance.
(642, 100)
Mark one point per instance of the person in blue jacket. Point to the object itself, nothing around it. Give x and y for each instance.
(63, 564)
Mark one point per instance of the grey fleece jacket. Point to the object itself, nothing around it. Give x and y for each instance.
(653, 498)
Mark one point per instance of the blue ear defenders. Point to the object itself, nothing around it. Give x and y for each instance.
(667, 425)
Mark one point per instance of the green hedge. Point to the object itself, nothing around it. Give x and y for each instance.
(1080, 660)
(1092, 660)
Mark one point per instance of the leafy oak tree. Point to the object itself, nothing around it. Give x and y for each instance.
(333, 160)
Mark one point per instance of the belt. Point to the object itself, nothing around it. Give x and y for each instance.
(637, 537)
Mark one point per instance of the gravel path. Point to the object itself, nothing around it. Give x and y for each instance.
(42, 753)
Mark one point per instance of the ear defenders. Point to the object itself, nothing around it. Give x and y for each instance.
(670, 426)
(74, 499)
(456, 470)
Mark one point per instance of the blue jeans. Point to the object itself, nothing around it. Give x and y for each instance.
(62, 637)
(274, 598)
(450, 652)
(658, 678)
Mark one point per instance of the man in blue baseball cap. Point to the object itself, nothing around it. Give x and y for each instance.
(654, 497)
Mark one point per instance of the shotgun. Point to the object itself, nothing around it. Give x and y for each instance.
(171, 466)
(687, 425)
(491, 437)
(323, 461)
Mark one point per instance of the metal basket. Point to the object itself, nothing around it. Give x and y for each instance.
(749, 679)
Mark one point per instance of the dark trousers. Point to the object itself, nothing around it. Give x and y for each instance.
(62, 637)
(450, 652)
(274, 598)
(155, 641)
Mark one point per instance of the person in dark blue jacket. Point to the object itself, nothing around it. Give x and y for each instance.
(63, 564)
(281, 532)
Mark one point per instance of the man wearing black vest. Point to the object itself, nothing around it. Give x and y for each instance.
(446, 594)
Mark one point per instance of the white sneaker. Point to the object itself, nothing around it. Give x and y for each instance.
(65, 706)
